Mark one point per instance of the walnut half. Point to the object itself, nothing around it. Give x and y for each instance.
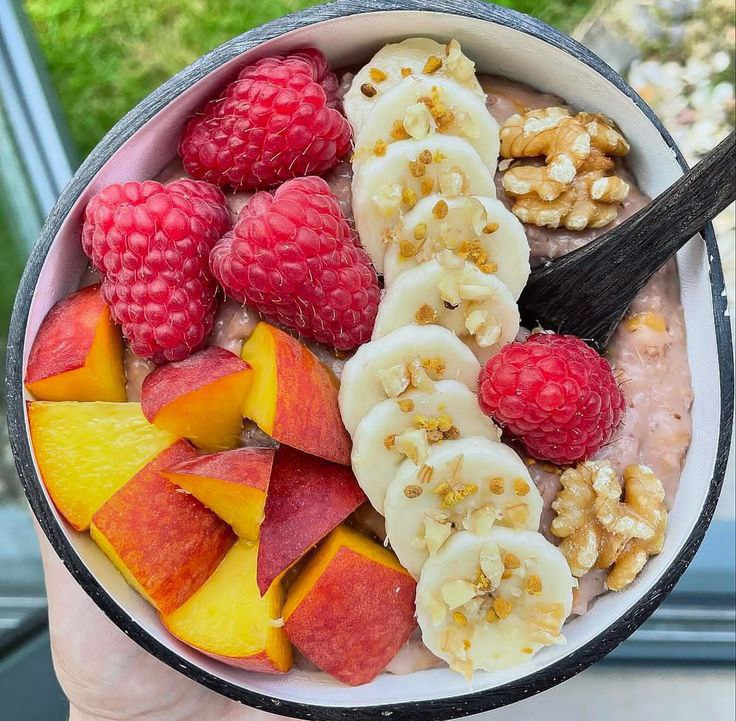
(575, 187)
(600, 528)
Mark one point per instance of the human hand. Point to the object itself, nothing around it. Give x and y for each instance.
(107, 677)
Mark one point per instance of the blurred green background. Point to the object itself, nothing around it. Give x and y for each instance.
(106, 55)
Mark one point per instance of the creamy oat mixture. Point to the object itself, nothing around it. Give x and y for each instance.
(648, 352)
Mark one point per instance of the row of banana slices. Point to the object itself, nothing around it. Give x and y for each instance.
(461, 510)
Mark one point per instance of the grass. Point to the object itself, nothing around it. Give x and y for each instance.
(106, 55)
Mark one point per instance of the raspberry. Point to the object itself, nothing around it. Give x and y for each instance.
(293, 256)
(555, 394)
(152, 244)
(276, 121)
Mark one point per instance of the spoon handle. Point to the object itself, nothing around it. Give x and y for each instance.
(615, 267)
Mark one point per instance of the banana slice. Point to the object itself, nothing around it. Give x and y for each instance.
(471, 484)
(410, 357)
(387, 185)
(455, 294)
(421, 105)
(480, 229)
(392, 63)
(489, 602)
(396, 426)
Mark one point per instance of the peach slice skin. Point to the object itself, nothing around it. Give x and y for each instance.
(228, 620)
(307, 498)
(293, 397)
(164, 542)
(233, 484)
(200, 398)
(87, 451)
(77, 354)
(351, 608)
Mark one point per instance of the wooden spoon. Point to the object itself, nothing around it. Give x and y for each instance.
(586, 292)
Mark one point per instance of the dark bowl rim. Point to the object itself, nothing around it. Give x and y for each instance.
(430, 710)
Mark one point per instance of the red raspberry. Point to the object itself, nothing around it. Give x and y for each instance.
(275, 122)
(152, 244)
(555, 394)
(293, 256)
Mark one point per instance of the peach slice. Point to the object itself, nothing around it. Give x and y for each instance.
(351, 608)
(200, 398)
(294, 397)
(233, 484)
(87, 451)
(228, 620)
(307, 498)
(77, 354)
(164, 542)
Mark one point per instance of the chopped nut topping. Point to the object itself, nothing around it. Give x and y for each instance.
(377, 75)
(389, 441)
(599, 528)
(546, 620)
(526, 649)
(425, 157)
(405, 72)
(512, 561)
(534, 585)
(395, 380)
(379, 148)
(517, 515)
(457, 593)
(388, 199)
(490, 228)
(418, 121)
(419, 376)
(426, 314)
(502, 607)
(417, 169)
(432, 65)
(574, 188)
(368, 90)
(412, 491)
(413, 444)
(440, 209)
(492, 616)
(459, 66)
(459, 618)
(436, 532)
(420, 231)
(406, 405)
(451, 183)
(427, 186)
(521, 487)
(452, 433)
(439, 156)
(497, 485)
(507, 574)
(398, 131)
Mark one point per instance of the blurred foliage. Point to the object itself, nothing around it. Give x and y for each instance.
(106, 55)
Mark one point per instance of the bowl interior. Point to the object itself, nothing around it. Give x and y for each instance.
(496, 49)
